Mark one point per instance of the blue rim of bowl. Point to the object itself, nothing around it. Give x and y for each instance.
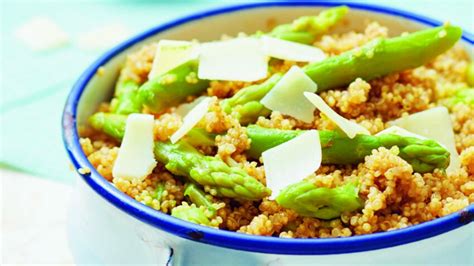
(230, 239)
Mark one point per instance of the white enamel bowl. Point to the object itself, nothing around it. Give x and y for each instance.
(108, 227)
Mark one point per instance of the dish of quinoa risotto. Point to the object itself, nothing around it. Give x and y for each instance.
(296, 132)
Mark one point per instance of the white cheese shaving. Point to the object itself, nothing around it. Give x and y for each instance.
(287, 96)
(434, 124)
(135, 160)
(292, 51)
(170, 54)
(239, 59)
(191, 119)
(400, 132)
(41, 33)
(183, 109)
(104, 36)
(292, 161)
(349, 127)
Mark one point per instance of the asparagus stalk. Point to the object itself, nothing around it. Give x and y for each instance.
(198, 197)
(182, 159)
(172, 87)
(383, 56)
(319, 202)
(424, 155)
(191, 213)
(248, 100)
(111, 124)
(306, 29)
(200, 212)
(200, 137)
(126, 99)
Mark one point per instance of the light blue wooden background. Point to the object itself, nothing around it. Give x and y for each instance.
(34, 86)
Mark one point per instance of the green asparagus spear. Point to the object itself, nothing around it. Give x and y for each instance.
(182, 159)
(191, 213)
(248, 100)
(198, 197)
(319, 202)
(172, 87)
(111, 124)
(383, 56)
(306, 29)
(337, 148)
(200, 137)
(202, 209)
(262, 139)
(114, 126)
(470, 74)
(126, 99)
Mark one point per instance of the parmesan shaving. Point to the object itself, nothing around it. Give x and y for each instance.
(191, 119)
(135, 160)
(292, 161)
(287, 96)
(400, 132)
(434, 124)
(183, 109)
(240, 59)
(350, 128)
(170, 54)
(292, 51)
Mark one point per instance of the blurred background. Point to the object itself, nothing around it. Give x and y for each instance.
(44, 47)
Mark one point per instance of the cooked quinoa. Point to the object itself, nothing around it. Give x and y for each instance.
(394, 195)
